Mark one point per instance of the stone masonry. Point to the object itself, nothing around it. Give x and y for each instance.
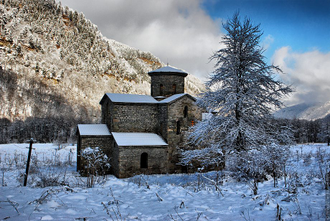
(126, 117)
(129, 162)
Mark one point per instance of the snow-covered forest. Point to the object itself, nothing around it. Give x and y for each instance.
(311, 131)
(55, 191)
(55, 68)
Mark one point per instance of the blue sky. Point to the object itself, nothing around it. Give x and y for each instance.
(185, 34)
(304, 25)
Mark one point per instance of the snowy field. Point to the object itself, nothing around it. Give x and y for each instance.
(56, 192)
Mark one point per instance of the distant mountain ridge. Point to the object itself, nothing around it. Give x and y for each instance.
(305, 111)
(53, 51)
(55, 66)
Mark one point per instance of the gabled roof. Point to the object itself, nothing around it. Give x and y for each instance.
(175, 97)
(129, 98)
(168, 70)
(138, 139)
(142, 99)
(93, 130)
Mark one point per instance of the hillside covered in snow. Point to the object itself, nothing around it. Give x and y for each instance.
(55, 67)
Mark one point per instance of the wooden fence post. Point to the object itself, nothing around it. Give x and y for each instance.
(28, 162)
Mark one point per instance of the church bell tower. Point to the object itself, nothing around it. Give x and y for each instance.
(167, 81)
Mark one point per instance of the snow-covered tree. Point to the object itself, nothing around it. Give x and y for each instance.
(241, 93)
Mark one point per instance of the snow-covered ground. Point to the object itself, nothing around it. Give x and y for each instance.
(155, 197)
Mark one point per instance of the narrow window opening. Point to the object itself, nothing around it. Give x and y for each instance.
(178, 129)
(161, 128)
(161, 90)
(144, 160)
(185, 112)
(174, 88)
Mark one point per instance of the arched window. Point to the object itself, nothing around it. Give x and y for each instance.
(185, 112)
(144, 160)
(174, 88)
(161, 90)
(178, 129)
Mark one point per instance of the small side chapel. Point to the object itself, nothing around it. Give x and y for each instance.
(142, 133)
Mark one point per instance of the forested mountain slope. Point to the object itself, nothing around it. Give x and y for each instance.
(55, 68)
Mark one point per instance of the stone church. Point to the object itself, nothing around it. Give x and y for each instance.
(142, 133)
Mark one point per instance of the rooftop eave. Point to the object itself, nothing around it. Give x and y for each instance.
(167, 73)
(128, 99)
(93, 130)
(176, 97)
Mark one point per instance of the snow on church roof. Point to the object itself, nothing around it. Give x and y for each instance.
(168, 69)
(135, 98)
(138, 139)
(93, 130)
(131, 98)
(172, 98)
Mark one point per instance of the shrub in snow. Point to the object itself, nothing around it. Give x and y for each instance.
(204, 159)
(323, 161)
(140, 180)
(294, 181)
(95, 163)
(51, 177)
(327, 179)
(253, 166)
(275, 159)
(249, 167)
(307, 158)
(45, 176)
(114, 211)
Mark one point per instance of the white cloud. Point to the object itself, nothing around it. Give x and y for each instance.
(179, 32)
(308, 72)
(266, 43)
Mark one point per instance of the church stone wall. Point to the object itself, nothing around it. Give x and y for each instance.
(106, 113)
(130, 160)
(163, 115)
(114, 161)
(178, 121)
(134, 118)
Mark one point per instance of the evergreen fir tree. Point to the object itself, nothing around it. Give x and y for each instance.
(241, 93)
